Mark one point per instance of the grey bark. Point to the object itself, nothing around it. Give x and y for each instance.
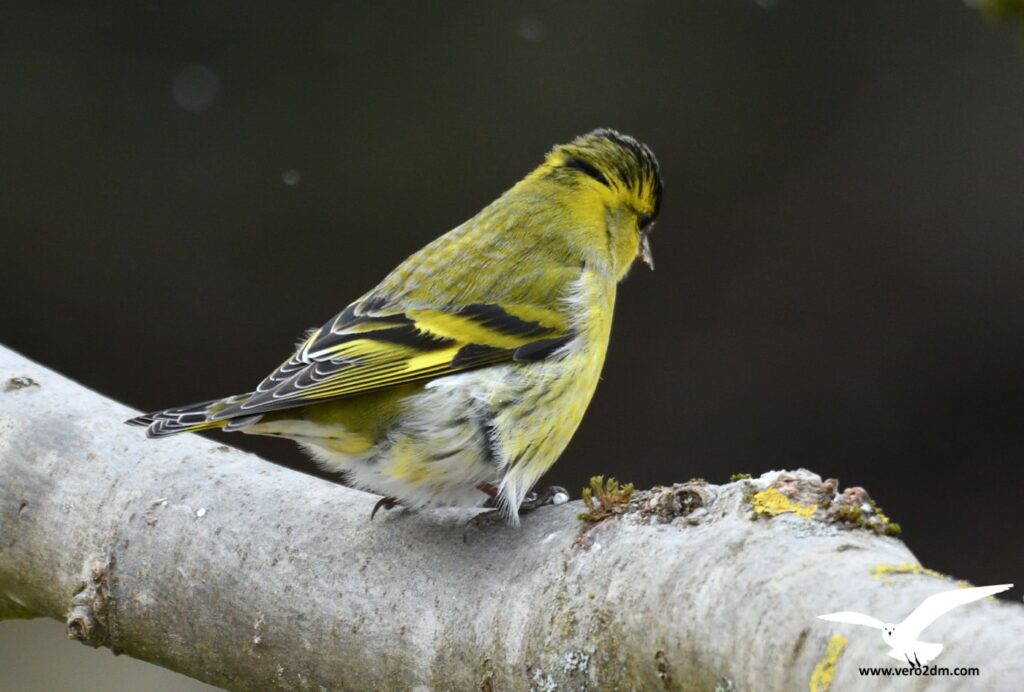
(214, 563)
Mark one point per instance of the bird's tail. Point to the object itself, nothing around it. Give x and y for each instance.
(192, 418)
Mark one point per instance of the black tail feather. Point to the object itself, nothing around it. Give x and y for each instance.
(189, 418)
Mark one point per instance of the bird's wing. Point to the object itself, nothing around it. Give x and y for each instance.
(853, 619)
(371, 346)
(934, 607)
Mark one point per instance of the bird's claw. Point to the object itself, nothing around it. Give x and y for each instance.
(484, 519)
(553, 495)
(384, 503)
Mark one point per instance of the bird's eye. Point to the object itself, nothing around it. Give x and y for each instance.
(644, 221)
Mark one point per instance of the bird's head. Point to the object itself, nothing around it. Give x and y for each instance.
(887, 632)
(615, 186)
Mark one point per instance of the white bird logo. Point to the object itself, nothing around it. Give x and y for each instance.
(902, 637)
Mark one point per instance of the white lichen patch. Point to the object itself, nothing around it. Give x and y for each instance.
(541, 681)
(575, 662)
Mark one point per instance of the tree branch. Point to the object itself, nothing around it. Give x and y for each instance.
(247, 575)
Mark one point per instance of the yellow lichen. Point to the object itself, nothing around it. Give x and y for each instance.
(825, 672)
(883, 571)
(772, 503)
(739, 477)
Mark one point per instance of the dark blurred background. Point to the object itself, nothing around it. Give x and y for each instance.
(186, 187)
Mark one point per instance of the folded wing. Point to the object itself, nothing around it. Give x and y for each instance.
(371, 346)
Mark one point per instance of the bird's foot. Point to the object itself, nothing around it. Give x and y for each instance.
(490, 517)
(916, 663)
(384, 503)
(553, 495)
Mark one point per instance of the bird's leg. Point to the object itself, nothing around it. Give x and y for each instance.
(492, 515)
(491, 490)
(384, 503)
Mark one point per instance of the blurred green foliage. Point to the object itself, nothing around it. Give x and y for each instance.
(1009, 11)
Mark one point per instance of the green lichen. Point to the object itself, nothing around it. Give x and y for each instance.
(862, 513)
(888, 526)
(851, 514)
(604, 498)
(739, 477)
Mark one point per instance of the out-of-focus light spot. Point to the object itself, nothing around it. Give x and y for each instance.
(195, 88)
(530, 28)
(291, 177)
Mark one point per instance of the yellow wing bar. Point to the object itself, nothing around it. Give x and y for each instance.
(360, 352)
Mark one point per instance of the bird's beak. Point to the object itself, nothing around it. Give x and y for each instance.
(645, 251)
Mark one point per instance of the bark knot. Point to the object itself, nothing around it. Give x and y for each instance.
(88, 618)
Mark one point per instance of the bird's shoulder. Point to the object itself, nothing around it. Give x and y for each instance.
(492, 290)
(500, 256)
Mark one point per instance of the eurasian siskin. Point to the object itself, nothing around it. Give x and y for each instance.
(466, 371)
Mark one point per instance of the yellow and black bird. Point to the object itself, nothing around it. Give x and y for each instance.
(466, 371)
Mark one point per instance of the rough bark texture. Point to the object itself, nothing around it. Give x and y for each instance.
(238, 572)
